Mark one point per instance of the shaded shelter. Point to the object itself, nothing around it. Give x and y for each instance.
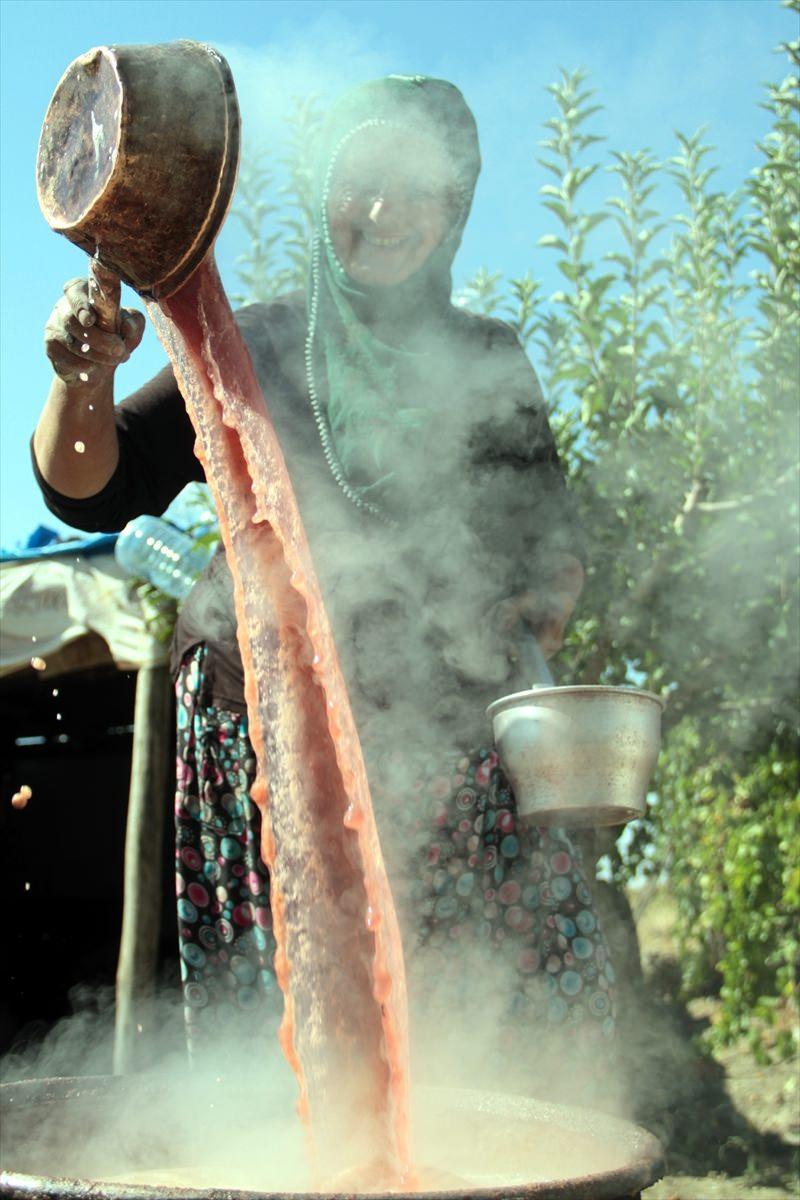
(85, 709)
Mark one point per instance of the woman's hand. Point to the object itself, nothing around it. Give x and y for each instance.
(545, 610)
(75, 441)
(80, 351)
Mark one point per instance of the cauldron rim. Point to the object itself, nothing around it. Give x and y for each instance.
(619, 1183)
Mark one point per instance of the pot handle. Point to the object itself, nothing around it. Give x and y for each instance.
(532, 662)
(104, 294)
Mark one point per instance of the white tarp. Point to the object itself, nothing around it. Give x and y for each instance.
(58, 599)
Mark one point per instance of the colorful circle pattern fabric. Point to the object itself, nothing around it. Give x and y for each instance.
(224, 921)
(482, 874)
(522, 890)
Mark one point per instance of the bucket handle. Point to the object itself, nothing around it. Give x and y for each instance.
(532, 662)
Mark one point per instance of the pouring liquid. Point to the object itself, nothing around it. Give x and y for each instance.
(338, 963)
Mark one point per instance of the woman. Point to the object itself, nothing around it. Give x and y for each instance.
(418, 445)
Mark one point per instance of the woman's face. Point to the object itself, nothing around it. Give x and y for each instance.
(392, 199)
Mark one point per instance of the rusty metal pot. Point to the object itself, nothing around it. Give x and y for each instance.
(578, 756)
(138, 157)
(547, 1151)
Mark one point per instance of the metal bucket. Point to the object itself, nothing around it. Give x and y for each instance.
(138, 157)
(538, 1151)
(578, 756)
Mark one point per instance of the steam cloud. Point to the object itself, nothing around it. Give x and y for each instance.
(412, 637)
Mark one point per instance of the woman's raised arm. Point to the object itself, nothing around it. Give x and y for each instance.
(75, 442)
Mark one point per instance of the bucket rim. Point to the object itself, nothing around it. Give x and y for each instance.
(515, 699)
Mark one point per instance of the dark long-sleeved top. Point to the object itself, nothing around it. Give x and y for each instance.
(484, 515)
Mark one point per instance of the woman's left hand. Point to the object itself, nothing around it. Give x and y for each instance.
(545, 610)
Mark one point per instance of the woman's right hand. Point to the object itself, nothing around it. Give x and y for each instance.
(75, 442)
(81, 352)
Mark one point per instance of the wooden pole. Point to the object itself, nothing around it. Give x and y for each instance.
(141, 914)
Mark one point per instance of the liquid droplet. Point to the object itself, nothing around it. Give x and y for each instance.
(80, 447)
(37, 663)
(20, 799)
(383, 987)
(353, 817)
(84, 378)
(373, 918)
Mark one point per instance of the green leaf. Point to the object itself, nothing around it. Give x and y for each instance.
(549, 239)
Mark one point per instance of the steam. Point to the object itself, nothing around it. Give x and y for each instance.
(411, 613)
(204, 1120)
(229, 1122)
(330, 56)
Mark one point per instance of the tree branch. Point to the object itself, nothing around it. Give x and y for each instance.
(714, 506)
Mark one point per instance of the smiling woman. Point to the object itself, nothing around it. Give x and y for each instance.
(428, 483)
(392, 198)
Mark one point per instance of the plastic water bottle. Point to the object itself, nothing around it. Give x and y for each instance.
(152, 549)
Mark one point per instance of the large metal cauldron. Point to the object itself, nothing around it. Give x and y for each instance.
(509, 1146)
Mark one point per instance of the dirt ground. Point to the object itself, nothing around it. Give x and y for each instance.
(731, 1127)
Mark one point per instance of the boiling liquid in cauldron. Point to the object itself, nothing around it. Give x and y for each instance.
(341, 971)
(204, 1135)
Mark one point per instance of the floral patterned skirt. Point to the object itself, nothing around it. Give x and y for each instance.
(499, 910)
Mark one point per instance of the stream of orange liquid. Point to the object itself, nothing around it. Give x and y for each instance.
(339, 959)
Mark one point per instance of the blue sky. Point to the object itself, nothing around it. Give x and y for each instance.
(658, 66)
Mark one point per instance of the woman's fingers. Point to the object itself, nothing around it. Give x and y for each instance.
(76, 349)
(550, 622)
(60, 345)
(132, 328)
(76, 292)
(72, 368)
(544, 613)
(84, 318)
(132, 322)
(96, 344)
(550, 636)
(506, 614)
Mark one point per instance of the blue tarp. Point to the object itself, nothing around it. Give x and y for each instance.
(46, 543)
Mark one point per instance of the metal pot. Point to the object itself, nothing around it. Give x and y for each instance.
(138, 157)
(578, 756)
(537, 1151)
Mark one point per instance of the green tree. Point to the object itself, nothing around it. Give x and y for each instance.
(274, 206)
